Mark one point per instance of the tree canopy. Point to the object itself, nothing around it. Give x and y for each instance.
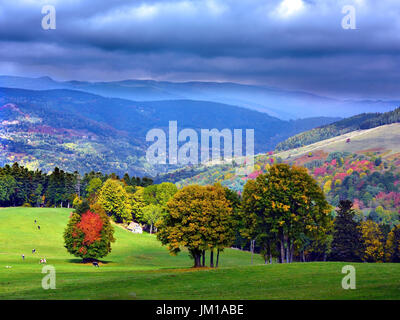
(198, 218)
(283, 206)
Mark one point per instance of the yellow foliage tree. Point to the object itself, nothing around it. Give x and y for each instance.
(114, 200)
(198, 218)
(373, 242)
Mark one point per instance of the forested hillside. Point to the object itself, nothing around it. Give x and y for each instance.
(362, 121)
(363, 169)
(78, 131)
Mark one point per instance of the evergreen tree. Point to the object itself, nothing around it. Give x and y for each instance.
(347, 236)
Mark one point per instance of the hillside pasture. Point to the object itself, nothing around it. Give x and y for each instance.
(140, 268)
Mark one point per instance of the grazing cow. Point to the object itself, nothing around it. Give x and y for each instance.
(96, 264)
(33, 250)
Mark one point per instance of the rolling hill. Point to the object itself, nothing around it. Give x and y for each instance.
(362, 166)
(359, 122)
(79, 131)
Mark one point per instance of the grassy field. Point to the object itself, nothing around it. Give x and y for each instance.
(140, 268)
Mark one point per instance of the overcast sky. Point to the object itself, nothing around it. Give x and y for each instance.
(292, 44)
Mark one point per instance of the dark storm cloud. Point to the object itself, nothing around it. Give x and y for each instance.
(296, 44)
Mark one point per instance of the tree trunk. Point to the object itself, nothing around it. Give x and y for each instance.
(196, 254)
(252, 250)
(287, 251)
(197, 263)
(204, 258)
(291, 252)
(212, 258)
(151, 228)
(282, 249)
(216, 264)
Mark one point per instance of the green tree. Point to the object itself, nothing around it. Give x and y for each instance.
(159, 194)
(137, 204)
(151, 215)
(8, 186)
(347, 244)
(94, 186)
(282, 207)
(114, 200)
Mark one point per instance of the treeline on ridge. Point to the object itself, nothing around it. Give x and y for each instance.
(358, 122)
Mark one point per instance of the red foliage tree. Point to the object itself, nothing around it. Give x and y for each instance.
(89, 233)
(91, 225)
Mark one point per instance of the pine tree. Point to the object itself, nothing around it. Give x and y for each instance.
(347, 236)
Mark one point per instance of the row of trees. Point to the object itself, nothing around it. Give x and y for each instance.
(284, 212)
(363, 241)
(21, 186)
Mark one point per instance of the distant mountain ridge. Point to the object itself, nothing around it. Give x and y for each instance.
(283, 104)
(82, 131)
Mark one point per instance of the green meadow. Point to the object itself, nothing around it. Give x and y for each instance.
(140, 268)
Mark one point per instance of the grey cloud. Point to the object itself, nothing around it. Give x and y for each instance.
(225, 40)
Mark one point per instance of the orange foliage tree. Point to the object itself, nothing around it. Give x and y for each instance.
(89, 233)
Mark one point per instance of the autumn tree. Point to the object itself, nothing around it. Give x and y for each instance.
(282, 206)
(198, 218)
(114, 200)
(89, 232)
(373, 242)
(392, 247)
(347, 244)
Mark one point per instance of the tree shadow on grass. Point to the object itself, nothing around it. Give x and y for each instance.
(82, 262)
